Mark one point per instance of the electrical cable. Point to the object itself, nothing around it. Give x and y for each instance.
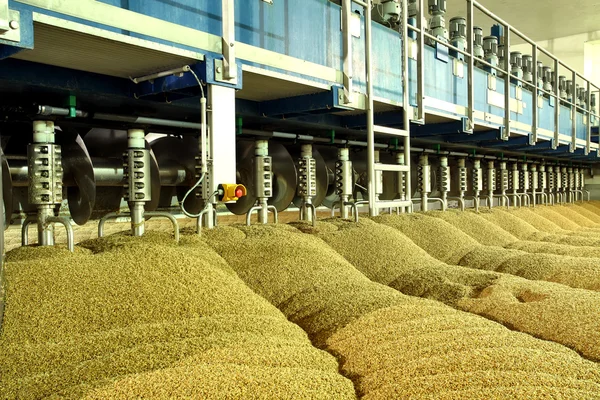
(199, 182)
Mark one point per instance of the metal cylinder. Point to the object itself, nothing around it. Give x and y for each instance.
(578, 95)
(515, 178)
(478, 42)
(477, 178)
(413, 8)
(463, 184)
(524, 178)
(516, 64)
(444, 181)
(491, 178)
(551, 183)
(570, 91)
(307, 174)
(378, 176)
(527, 61)
(562, 86)
(45, 174)
(543, 178)
(263, 164)
(501, 54)
(344, 179)
(400, 177)
(437, 7)
(490, 49)
(540, 74)
(458, 29)
(424, 180)
(547, 78)
(136, 170)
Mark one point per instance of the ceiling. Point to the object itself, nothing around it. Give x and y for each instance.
(539, 19)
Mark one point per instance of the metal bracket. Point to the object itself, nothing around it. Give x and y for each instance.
(10, 24)
(458, 68)
(221, 70)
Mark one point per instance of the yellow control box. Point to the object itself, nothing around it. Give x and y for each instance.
(231, 192)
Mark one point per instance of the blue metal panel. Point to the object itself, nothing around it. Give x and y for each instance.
(291, 107)
(565, 123)
(306, 29)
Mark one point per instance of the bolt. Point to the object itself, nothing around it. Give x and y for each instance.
(218, 70)
(14, 25)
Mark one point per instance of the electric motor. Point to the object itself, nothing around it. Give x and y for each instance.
(540, 74)
(490, 48)
(478, 42)
(437, 24)
(516, 64)
(547, 77)
(562, 86)
(570, 91)
(527, 62)
(458, 34)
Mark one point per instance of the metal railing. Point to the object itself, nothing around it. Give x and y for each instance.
(505, 70)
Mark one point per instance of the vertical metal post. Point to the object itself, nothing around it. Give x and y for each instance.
(370, 116)
(406, 99)
(228, 39)
(574, 114)
(506, 67)
(471, 72)
(556, 103)
(588, 136)
(536, 93)
(420, 66)
(347, 36)
(221, 135)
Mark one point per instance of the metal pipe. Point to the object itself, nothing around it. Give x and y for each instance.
(56, 111)
(430, 200)
(461, 202)
(370, 116)
(157, 75)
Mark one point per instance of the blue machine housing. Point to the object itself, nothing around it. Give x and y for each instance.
(290, 56)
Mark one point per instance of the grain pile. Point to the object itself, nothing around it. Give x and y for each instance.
(391, 345)
(388, 257)
(436, 237)
(572, 215)
(478, 228)
(555, 233)
(445, 242)
(553, 214)
(492, 233)
(145, 318)
(545, 310)
(584, 210)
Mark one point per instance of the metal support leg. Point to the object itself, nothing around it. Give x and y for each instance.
(148, 214)
(306, 216)
(263, 211)
(69, 228)
(205, 216)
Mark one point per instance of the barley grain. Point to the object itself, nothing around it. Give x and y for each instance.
(392, 345)
(126, 312)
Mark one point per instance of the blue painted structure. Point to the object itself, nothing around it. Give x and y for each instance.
(308, 30)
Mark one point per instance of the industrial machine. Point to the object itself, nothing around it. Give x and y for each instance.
(150, 109)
